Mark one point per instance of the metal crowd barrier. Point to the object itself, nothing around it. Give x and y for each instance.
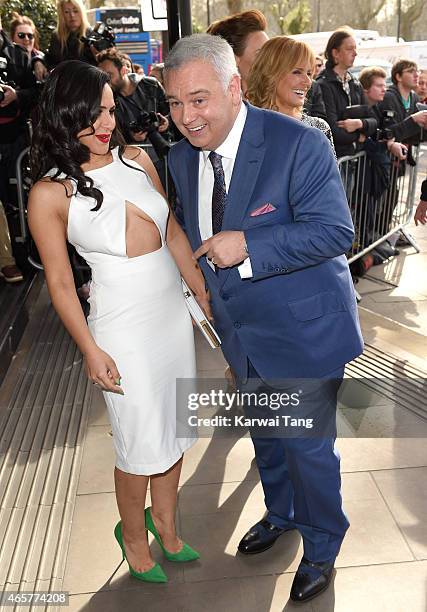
(377, 216)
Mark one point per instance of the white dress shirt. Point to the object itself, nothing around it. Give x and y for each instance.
(228, 151)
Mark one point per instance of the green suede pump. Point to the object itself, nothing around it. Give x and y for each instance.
(185, 554)
(155, 574)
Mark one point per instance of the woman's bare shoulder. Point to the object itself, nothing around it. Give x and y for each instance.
(49, 197)
(47, 189)
(136, 154)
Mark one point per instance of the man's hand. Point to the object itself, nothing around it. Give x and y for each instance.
(163, 123)
(421, 213)
(9, 96)
(93, 50)
(139, 136)
(350, 125)
(225, 249)
(420, 118)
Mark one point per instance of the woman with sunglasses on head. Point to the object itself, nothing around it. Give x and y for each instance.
(23, 32)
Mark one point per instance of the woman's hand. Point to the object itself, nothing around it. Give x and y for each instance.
(102, 371)
(204, 301)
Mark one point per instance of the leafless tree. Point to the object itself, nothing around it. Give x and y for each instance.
(234, 6)
(365, 11)
(411, 12)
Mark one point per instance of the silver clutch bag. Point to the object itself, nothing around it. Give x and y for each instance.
(199, 317)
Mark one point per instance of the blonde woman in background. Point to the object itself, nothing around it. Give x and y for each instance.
(65, 43)
(280, 78)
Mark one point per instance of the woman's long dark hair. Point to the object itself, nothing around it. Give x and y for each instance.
(69, 103)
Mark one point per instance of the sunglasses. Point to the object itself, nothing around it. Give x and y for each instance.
(23, 35)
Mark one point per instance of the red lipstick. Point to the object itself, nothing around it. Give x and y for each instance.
(104, 138)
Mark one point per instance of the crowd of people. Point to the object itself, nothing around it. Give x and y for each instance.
(258, 197)
(318, 91)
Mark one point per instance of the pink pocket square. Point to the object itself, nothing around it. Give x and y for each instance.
(262, 210)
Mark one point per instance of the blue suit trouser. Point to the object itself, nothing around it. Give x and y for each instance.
(301, 481)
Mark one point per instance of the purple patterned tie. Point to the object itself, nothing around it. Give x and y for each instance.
(219, 194)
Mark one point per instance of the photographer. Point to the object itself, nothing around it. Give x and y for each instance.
(339, 90)
(18, 95)
(402, 99)
(134, 95)
(375, 212)
(373, 81)
(65, 43)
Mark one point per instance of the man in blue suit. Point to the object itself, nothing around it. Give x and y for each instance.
(261, 200)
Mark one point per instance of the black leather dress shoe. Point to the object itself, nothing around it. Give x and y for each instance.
(311, 579)
(260, 537)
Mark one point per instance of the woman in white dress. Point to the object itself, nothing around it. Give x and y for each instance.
(108, 202)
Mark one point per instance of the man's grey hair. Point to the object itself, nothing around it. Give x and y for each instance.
(206, 48)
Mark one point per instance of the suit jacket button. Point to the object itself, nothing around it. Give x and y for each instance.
(237, 325)
(225, 297)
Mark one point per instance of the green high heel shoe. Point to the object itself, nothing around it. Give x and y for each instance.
(185, 554)
(155, 574)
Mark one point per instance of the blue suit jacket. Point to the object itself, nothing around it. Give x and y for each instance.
(297, 316)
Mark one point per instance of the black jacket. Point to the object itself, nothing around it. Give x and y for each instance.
(405, 129)
(72, 51)
(148, 96)
(13, 117)
(336, 100)
(314, 105)
(424, 190)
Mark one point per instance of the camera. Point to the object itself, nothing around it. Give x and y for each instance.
(385, 132)
(149, 122)
(101, 37)
(357, 111)
(3, 77)
(362, 111)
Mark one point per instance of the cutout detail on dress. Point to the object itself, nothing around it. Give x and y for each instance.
(142, 235)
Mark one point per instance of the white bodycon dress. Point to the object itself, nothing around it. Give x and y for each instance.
(137, 315)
